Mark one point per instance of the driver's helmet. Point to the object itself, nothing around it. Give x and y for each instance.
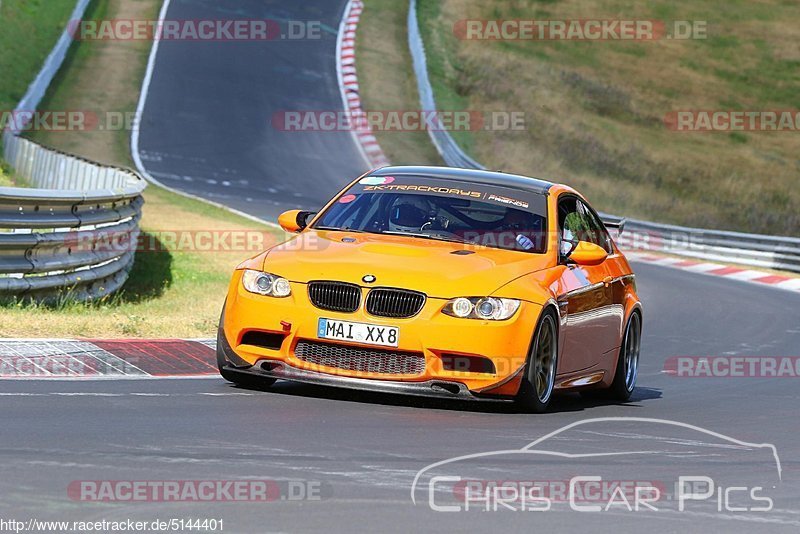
(409, 213)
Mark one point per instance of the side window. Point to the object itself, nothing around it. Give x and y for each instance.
(597, 232)
(570, 224)
(577, 223)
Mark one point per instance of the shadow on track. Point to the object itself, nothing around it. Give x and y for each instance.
(566, 402)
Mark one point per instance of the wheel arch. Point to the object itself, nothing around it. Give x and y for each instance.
(552, 307)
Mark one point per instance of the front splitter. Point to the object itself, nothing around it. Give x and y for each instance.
(442, 389)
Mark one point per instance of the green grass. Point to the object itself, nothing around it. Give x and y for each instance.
(28, 31)
(451, 79)
(595, 110)
(170, 293)
(99, 77)
(384, 64)
(5, 180)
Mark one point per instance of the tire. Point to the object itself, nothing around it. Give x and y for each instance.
(627, 368)
(538, 380)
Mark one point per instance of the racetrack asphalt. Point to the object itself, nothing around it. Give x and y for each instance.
(207, 124)
(207, 119)
(364, 450)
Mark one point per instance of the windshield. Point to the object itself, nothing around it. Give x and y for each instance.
(446, 210)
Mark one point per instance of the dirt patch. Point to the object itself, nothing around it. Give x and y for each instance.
(595, 111)
(102, 78)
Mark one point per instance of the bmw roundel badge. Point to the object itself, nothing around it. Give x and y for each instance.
(369, 278)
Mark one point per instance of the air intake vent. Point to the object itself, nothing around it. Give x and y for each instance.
(392, 362)
(268, 340)
(335, 296)
(396, 303)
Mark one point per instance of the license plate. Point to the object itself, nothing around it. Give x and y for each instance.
(370, 334)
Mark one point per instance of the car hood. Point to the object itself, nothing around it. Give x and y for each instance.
(437, 268)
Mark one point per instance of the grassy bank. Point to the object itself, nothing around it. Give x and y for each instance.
(5, 180)
(384, 76)
(172, 291)
(177, 292)
(28, 31)
(595, 110)
(101, 77)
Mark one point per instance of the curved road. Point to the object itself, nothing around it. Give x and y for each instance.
(361, 452)
(364, 450)
(207, 123)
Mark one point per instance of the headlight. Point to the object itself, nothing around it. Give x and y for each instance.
(266, 284)
(487, 308)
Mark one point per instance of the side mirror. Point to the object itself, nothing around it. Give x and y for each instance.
(586, 253)
(294, 221)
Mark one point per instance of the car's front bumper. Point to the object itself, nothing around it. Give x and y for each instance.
(430, 388)
(430, 333)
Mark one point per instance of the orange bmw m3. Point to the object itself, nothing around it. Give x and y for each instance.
(439, 282)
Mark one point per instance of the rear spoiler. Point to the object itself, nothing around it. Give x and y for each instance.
(617, 224)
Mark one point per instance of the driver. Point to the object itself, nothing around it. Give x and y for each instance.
(517, 220)
(408, 213)
(522, 225)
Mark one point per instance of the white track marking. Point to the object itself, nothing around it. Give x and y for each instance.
(746, 276)
(340, 77)
(702, 267)
(792, 285)
(741, 274)
(108, 378)
(72, 356)
(346, 74)
(131, 394)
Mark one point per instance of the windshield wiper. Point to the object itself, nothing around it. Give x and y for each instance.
(337, 229)
(454, 239)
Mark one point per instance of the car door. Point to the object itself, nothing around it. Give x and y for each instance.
(585, 295)
(617, 278)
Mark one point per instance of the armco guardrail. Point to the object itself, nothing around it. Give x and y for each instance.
(72, 234)
(54, 236)
(747, 249)
(756, 250)
(445, 144)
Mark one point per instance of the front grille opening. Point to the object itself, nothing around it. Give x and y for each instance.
(335, 296)
(362, 359)
(267, 340)
(467, 364)
(395, 303)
